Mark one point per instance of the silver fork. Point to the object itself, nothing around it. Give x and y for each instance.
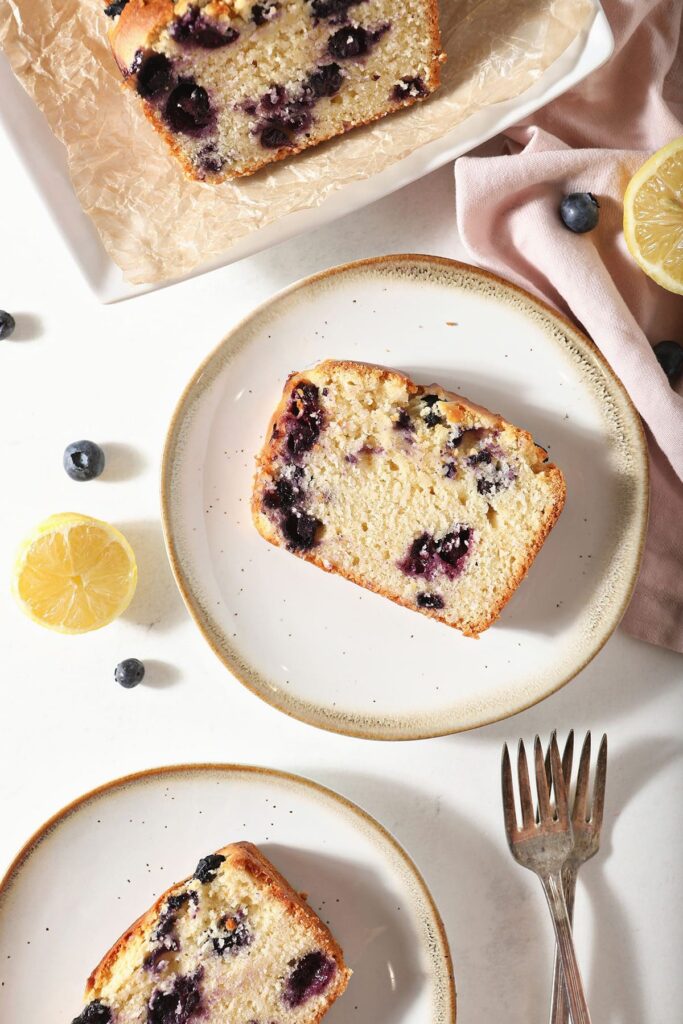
(543, 847)
(586, 827)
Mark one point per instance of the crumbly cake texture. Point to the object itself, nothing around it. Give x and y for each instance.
(233, 85)
(234, 943)
(413, 492)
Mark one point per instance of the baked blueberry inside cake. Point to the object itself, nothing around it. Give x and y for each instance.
(233, 85)
(234, 943)
(413, 492)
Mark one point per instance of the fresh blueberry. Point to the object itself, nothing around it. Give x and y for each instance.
(580, 212)
(94, 1013)
(188, 108)
(207, 867)
(311, 976)
(114, 9)
(7, 325)
(83, 460)
(129, 673)
(154, 75)
(425, 600)
(353, 41)
(670, 357)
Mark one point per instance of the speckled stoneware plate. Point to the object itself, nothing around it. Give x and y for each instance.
(322, 649)
(91, 870)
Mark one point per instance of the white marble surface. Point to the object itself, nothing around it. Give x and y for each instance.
(77, 369)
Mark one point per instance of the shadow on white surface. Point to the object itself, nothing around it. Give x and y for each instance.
(29, 327)
(123, 462)
(615, 968)
(622, 679)
(495, 930)
(159, 675)
(157, 603)
(385, 976)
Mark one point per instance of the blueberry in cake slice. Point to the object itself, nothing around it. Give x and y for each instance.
(413, 492)
(234, 84)
(234, 944)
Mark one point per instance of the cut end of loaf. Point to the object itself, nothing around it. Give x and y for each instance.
(413, 492)
(233, 85)
(233, 943)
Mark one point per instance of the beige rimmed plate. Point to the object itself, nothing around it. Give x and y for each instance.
(94, 867)
(327, 652)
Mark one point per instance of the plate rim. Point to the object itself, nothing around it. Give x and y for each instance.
(640, 452)
(441, 954)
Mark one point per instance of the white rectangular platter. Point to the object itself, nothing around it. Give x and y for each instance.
(46, 164)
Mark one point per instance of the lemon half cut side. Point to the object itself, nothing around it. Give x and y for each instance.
(653, 216)
(74, 574)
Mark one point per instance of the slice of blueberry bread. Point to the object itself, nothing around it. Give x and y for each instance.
(234, 944)
(410, 491)
(234, 84)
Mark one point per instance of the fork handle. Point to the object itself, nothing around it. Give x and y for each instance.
(559, 1010)
(552, 886)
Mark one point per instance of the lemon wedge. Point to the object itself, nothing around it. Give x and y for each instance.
(653, 216)
(74, 574)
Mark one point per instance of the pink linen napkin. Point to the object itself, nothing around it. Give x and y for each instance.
(593, 139)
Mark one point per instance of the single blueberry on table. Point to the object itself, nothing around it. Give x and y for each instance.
(129, 673)
(669, 355)
(580, 212)
(7, 324)
(83, 460)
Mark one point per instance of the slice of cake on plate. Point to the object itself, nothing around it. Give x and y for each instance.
(234, 944)
(413, 492)
(233, 85)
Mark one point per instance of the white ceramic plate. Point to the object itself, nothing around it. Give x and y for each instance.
(45, 161)
(335, 655)
(91, 870)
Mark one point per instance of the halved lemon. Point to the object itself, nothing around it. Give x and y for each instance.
(74, 573)
(653, 216)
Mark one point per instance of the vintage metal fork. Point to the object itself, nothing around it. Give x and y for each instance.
(543, 847)
(586, 826)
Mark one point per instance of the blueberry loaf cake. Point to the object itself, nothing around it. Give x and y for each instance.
(413, 492)
(234, 944)
(234, 84)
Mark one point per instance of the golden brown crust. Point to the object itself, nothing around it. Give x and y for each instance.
(269, 453)
(136, 28)
(141, 21)
(240, 856)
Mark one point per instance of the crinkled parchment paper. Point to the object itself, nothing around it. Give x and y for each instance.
(156, 224)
